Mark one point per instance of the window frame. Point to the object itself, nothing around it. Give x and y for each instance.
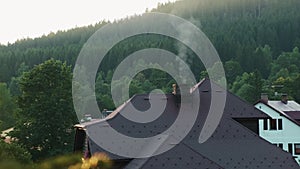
(273, 124)
(290, 148)
(297, 150)
(280, 124)
(265, 125)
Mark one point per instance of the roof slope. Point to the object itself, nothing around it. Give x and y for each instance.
(181, 157)
(291, 110)
(290, 106)
(231, 146)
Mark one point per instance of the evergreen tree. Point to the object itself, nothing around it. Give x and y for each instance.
(7, 108)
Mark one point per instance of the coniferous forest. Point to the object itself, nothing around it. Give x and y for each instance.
(258, 42)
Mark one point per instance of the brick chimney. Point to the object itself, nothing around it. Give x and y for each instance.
(264, 98)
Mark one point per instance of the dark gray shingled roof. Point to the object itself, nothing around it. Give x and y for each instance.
(232, 146)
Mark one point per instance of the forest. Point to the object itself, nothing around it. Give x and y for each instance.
(258, 42)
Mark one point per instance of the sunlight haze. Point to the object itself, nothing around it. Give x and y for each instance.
(34, 18)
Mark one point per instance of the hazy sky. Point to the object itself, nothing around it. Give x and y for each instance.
(33, 18)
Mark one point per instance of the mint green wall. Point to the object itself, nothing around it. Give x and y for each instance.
(289, 134)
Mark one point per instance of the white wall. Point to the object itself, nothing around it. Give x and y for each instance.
(289, 134)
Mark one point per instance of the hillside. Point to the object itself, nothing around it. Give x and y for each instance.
(256, 40)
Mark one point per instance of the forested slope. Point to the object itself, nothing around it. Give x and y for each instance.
(257, 41)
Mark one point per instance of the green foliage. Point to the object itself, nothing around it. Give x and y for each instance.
(295, 92)
(287, 64)
(144, 82)
(46, 113)
(232, 70)
(248, 35)
(258, 43)
(69, 161)
(248, 86)
(7, 108)
(239, 29)
(13, 152)
(262, 57)
(16, 157)
(14, 82)
(248, 93)
(285, 72)
(60, 162)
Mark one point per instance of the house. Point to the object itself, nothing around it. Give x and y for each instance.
(283, 129)
(235, 144)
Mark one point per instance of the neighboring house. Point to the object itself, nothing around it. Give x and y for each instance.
(283, 129)
(235, 144)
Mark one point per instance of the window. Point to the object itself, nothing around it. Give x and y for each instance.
(290, 146)
(273, 124)
(279, 124)
(265, 124)
(297, 149)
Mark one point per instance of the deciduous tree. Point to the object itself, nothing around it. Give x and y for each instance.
(46, 112)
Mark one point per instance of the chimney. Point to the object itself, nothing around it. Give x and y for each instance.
(176, 93)
(264, 98)
(183, 90)
(284, 98)
(174, 86)
(182, 93)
